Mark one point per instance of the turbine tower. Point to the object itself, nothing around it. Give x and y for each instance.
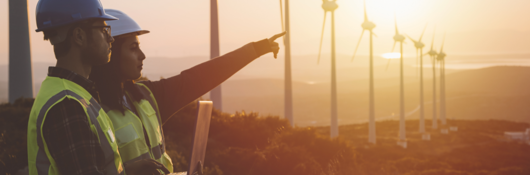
(441, 60)
(331, 6)
(402, 135)
(419, 48)
(215, 94)
(433, 55)
(20, 71)
(368, 25)
(288, 80)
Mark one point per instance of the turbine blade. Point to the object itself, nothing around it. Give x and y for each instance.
(417, 62)
(443, 41)
(411, 38)
(356, 47)
(365, 15)
(281, 16)
(433, 34)
(423, 32)
(373, 34)
(321, 37)
(394, 46)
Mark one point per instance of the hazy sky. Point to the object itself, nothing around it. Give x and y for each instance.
(181, 28)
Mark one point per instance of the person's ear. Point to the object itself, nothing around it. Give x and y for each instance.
(79, 36)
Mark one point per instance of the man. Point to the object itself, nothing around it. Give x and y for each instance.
(68, 132)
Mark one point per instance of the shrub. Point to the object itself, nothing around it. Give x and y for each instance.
(13, 133)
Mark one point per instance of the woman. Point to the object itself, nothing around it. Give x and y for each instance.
(137, 109)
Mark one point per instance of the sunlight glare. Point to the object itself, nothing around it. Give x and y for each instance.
(383, 11)
(393, 55)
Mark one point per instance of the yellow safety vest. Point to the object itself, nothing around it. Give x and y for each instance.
(53, 91)
(130, 133)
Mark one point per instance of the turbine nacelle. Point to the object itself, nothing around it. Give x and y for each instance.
(328, 5)
(418, 44)
(441, 56)
(432, 53)
(399, 38)
(368, 25)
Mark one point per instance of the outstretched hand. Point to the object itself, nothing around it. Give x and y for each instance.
(275, 47)
(145, 167)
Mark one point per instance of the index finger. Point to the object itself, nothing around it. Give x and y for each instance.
(277, 36)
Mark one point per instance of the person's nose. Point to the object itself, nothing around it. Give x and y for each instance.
(110, 39)
(142, 55)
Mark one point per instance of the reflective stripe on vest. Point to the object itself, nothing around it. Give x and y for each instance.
(43, 163)
(53, 91)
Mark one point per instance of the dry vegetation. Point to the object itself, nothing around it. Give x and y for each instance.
(249, 144)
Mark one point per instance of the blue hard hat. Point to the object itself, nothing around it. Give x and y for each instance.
(56, 13)
(124, 25)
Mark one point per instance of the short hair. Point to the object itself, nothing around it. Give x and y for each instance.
(61, 49)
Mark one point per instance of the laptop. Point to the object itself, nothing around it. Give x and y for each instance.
(200, 139)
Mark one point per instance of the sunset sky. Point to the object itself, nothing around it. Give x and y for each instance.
(181, 28)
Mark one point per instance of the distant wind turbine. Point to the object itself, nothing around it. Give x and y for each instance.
(397, 38)
(441, 60)
(419, 48)
(20, 70)
(433, 55)
(402, 135)
(331, 6)
(215, 94)
(288, 105)
(368, 25)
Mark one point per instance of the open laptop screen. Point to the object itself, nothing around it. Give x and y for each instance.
(200, 138)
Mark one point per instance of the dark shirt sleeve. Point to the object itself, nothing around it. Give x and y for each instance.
(175, 92)
(72, 144)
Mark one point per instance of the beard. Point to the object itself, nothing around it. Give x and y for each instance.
(94, 55)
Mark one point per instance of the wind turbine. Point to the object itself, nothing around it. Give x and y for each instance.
(215, 94)
(441, 60)
(419, 48)
(368, 25)
(402, 136)
(433, 55)
(331, 6)
(20, 71)
(288, 105)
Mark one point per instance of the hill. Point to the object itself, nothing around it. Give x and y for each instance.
(489, 93)
(500, 80)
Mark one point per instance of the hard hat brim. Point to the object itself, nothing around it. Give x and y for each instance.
(105, 17)
(137, 32)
